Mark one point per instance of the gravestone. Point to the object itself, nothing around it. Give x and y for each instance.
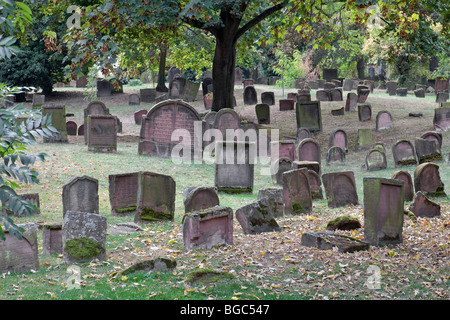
(173, 73)
(250, 96)
(227, 118)
(433, 135)
(52, 238)
(427, 150)
(314, 85)
(274, 198)
(248, 82)
(209, 119)
(441, 84)
(268, 97)
(338, 112)
(338, 137)
(391, 87)
(208, 228)
(71, 128)
(155, 198)
(234, 166)
(323, 95)
(103, 88)
(351, 102)
(329, 85)
(190, 91)
(19, 255)
(331, 241)
(147, 95)
(286, 104)
(407, 182)
(138, 116)
(404, 153)
(83, 237)
(93, 108)
(207, 85)
(441, 96)
(375, 160)
(340, 189)
(308, 150)
(347, 85)
(383, 211)
(81, 130)
(335, 156)
(286, 149)
(80, 194)
(176, 88)
(308, 115)
(336, 94)
(208, 100)
(364, 140)
(263, 113)
(123, 191)
(199, 198)
(419, 93)
(282, 165)
(302, 133)
(38, 100)
(310, 165)
(161, 121)
(102, 133)
(441, 119)
(363, 93)
(402, 92)
(383, 120)
(424, 207)
(238, 73)
(134, 99)
(296, 192)
(256, 218)
(58, 114)
(364, 112)
(315, 184)
(303, 95)
(292, 96)
(428, 180)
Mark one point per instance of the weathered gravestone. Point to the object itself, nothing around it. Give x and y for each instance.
(404, 153)
(313, 84)
(340, 188)
(329, 241)
(347, 85)
(364, 140)
(335, 155)
(238, 73)
(156, 198)
(442, 96)
(207, 85)
(375, 160)
(83, 237)
(286, 149)
(434, 136)
(391, 87)
(102, 133)
(268, 97)
(363, 93)
(208, 100)
(441, 119)
(308, 150)
(351, 102)
(428, 180)
(250, 96)
(441, 84)
(161, 121)
(338, 137)
(364, 112)
(93, 108)
(81, 130)
(208, 228)
(199, 198)
(103, 88)
(52, 238)
(256, 218)
(80, 194)
(302, 133)
(330, 74)
(123, 191)
(427, 150)
(38, 100)
(402, 92)
(383, 211)
(138, 116)
(292, 96)
(315, 184)
(19, 255)
(383, 120)
(308, 115)
(190, 91)
(176, 88)
(209, 119)
(323, 95)
(286, 104)
(408, 183)
(134, 99)
(275, 201)
(173, 73)
(424, 207)
(71, 128)
(303, 95)
(278, 168)
(329, 85)
(310, 165)
(234, 166)
(58, 114)
(227, 118)
(263, 113)
(147, 95)
(419, 93)
(296, 192)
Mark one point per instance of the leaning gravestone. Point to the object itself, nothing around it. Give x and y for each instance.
(383, 211)
(419, 93)
(282, 165)
(58, 114)
(351, 102)
(375, 160)
(274, 198)
(308, 115)
(19, 255)
(268, 97)
(102, 133)
(340, 189)
(428, 180)
(441, 119)
(404, 153)
(363, 93)
(383, 120)
(250, 96)
(155, 198)
(190, 91)
(234, 166)
(208, 228)
(123, 190)
(199, 198)
(427, 150)
(256, 218)
(159, 124)
(83, 237)
(296, 192)
(424, 207)
(263, 113)
(80, 194)
(408, 183)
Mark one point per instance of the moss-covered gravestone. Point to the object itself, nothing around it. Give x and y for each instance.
(428, 180)
(256, 218)
(329, 241)
(84, 237)
(340, 188)
(262, 111)
(403, 153)
(275, 201)
(427, 150)
(123, 193)
(375, 160)
(308, 115)
(156, 198)
(364, 140)
(58, 114)
(383, 211)
(296, 192)
(199, 198)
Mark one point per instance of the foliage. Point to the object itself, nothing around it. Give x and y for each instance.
(19, 128)
(443, 70)
(289, 68)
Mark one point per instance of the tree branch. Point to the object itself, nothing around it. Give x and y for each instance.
(260, 17)
(200, 25)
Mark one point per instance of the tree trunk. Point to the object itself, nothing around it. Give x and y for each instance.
(360, 68)
(161, 86)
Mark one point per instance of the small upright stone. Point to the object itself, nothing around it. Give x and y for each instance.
(256, 218)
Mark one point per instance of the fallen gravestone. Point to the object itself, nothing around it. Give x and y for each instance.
(124, 228)
(345, 222)
(146, 266)
(329, 241)
(256, 218)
